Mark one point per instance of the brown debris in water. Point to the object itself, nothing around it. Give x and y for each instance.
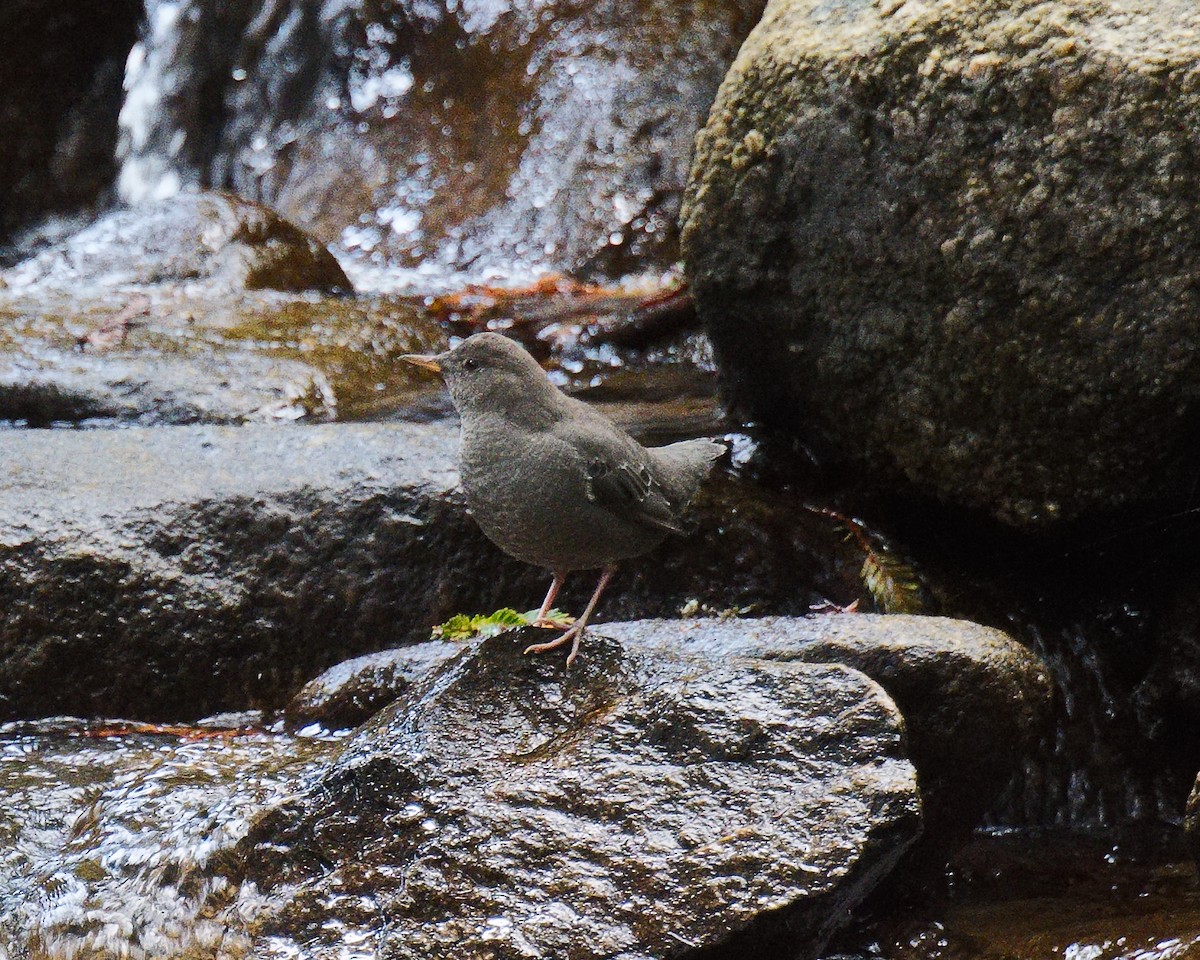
(112, 332)
(559, 309)
(125, 728)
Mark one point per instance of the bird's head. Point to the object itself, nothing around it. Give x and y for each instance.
(490, 373)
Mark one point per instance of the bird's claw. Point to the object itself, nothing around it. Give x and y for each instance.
(575, 634)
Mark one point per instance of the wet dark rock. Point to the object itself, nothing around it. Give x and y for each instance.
(646, 804)
(173, 573)
(1192, 822)
(61, 77)
(1167, 672)
(349, 693)
(170, 355)
(974, 700)
(218, 238)
(177, 572)
(481, 136)
(913, 232)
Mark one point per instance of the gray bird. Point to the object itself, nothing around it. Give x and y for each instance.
(551, 481)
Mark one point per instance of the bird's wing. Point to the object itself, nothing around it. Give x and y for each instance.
(629, 489)
(620, 475)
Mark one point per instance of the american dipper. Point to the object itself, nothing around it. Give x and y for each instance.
(551, 481)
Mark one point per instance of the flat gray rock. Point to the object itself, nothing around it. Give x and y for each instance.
(171, 573)
(177, 572)
(647, 804)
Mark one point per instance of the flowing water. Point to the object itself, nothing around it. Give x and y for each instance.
(112, 839)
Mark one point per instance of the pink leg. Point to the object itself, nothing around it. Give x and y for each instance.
(555, 585)
(575, 634)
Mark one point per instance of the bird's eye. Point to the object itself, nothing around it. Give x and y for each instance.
(470, 364)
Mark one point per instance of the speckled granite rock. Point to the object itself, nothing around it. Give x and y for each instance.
(955, 243)
(647, 804)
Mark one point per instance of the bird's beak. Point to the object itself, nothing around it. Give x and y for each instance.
(426, 361)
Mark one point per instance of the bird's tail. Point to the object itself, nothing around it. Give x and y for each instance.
(688, 462)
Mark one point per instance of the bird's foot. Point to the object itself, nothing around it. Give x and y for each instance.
(574, 635)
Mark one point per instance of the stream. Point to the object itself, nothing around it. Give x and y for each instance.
(463, 162)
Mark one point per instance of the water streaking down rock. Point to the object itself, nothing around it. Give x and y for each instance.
(167, 573)
(498, 137)
(648, 804)
(953, 242)
(215, 238)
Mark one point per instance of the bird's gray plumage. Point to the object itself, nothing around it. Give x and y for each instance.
(549, 479)
(554, 483)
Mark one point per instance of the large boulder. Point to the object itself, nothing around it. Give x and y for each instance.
(975, 702)
(61, 76)
(175, 572)
(644, 805)
(490, 136)
(955, 243)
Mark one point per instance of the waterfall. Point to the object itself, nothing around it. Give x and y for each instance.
(468, 139)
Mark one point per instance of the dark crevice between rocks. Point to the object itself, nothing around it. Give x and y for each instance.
(62, 78)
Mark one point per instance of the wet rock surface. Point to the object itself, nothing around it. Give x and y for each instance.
(914, 229)
(171, 573)
(352, 692)
(646, 804)
(176, 355)
(210, 237)
(479, 136)
(975, 702)
(61, 77)
(973, 699)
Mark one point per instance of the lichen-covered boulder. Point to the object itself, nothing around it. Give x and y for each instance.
(955, 243)
(642, 805)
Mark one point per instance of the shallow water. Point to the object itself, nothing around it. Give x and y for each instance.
(1029, 896)
(114, 841)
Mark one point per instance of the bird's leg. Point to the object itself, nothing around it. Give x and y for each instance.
(541, 620)
(575, 633)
